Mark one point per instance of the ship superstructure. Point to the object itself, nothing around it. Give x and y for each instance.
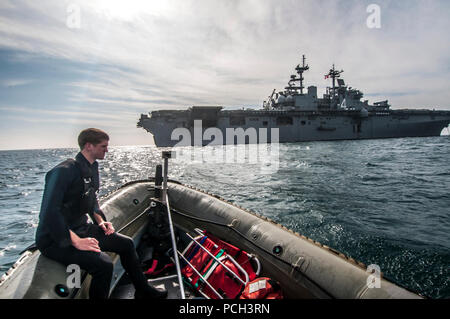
(337, 97)
(294, 115)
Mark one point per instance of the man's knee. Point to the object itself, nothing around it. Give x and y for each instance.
(129, 243)
(103, 264)
(126, 244)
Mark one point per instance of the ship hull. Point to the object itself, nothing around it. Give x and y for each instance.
(249, 127)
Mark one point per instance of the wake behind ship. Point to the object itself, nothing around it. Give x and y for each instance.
(292, 115)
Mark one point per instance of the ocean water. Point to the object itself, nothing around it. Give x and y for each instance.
(383, 202)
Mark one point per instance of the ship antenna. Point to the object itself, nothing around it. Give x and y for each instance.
(334, 74)
(300, 70)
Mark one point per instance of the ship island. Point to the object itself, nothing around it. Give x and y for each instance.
(294, 115)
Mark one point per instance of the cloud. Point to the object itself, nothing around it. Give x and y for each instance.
(143, 55)
(229, 46)
(15, 82)
(64, 116)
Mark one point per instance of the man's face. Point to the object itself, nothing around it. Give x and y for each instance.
(99, 150)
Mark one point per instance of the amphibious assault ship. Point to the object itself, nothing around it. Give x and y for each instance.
(294, 115)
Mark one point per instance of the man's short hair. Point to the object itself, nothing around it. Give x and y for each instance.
(93, 136)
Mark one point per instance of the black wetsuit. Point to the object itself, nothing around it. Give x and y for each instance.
(65, 206)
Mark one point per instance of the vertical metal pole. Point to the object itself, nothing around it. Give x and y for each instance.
(158, 181)
(165, 200)
(166, 167)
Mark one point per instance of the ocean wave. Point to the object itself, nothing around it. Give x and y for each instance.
(7, 248)
(378, 201)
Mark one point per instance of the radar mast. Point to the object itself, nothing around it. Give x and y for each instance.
(300, 69)
(334, 74)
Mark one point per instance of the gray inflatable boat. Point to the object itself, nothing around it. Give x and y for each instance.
(304, 268)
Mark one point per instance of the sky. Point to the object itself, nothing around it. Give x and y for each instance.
(66, 65)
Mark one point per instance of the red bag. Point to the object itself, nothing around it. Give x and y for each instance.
(216, 281)
(198, 258)
(243, 258)
(224, 283)
(262, 288)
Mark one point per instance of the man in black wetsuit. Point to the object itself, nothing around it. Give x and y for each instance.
(64, 233)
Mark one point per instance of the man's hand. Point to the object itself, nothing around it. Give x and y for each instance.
(107, 228)
(88, 243)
